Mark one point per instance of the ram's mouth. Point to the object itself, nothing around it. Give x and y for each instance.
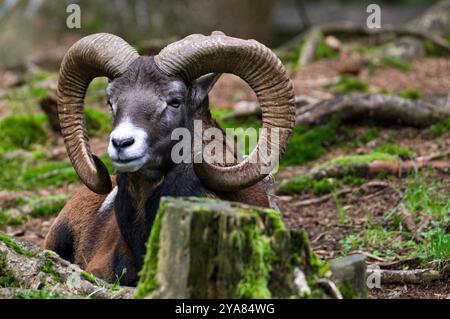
(127, 160)
(129, 165)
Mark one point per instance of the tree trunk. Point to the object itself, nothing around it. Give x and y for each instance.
(203, 248)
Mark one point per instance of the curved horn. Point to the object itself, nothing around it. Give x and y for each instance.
(197, 55)
(93, 56)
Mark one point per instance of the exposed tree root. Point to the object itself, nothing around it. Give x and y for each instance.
(249, 108)
(378, 107)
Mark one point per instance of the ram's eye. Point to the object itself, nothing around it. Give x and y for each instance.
(175, 103)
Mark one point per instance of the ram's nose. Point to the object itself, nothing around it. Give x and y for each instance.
(122, 143)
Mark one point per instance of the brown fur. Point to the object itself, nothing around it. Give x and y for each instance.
(98, 245)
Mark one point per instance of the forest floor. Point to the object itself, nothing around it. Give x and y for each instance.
(397, 222)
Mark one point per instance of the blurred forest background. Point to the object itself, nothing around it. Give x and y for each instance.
(28, 27)
(367, 169)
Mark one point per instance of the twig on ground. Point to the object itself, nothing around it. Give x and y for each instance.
(319, 200)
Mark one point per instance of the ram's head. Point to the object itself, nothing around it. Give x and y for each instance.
(152, 96)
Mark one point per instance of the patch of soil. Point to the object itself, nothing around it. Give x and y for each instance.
(322, 222)
(426, 75)
(435, 290)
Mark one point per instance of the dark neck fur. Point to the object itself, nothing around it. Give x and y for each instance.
(135, 225)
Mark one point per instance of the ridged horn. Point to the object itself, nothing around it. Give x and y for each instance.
(95, 55)
(197, 55)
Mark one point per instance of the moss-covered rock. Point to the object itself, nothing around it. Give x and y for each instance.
(30, 272)
(204, 248)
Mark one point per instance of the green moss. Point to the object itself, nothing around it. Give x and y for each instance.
(256, 274)
(6, 219)
(43, 206)
(46, 206)
(49, 267)
(323, 51)
(349, 160)
(292, 58)
(369, 135)
(14, 246)
(97, 122)
(349, 84)
(22, 131)
(395, 62)
(308, 144)
(325, 186)
(7, 279)
(89, 277)
(307, 183)
(411, 94)
(347, 291)
(303, 184)
(148, 281)
(394, 150)
(440, 128)
(37, 294)
(433, 50)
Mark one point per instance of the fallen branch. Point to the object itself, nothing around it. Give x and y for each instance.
(378, 107)
(416, 276)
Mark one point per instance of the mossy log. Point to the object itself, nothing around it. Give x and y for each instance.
(203, 248)
(27, 271)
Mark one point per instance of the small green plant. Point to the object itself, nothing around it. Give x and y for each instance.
(411, 94)
(349, 84)
(435, 251)
(340, 210)
(423, 195)
(49, 268)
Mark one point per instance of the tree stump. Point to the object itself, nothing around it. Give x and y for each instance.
(204, 248)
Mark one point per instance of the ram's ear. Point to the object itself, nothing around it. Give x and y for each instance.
(203, 85)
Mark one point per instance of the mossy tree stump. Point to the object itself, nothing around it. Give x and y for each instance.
(203, 248)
